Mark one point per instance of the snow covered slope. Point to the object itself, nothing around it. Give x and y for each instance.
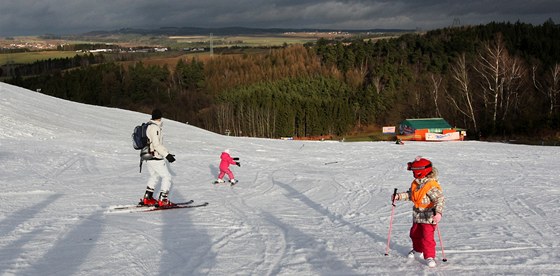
(301, 208)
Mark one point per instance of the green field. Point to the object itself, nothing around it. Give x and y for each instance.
(30, 57)
(242, 41)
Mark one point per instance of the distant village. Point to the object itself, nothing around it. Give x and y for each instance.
(32, 45)
(139, 50)
(42, 45)
(125, 50)
(48, 43)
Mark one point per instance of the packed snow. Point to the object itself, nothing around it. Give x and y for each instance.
(300, 208)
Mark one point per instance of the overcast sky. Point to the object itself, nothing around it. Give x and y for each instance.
(35, 17)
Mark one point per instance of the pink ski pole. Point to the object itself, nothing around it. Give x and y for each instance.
(441, 244)
(391, 222)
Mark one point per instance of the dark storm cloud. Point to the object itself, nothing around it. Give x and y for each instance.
(74, 16)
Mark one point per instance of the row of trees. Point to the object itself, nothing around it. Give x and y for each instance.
(290, 107)
(49, 66)
(495, 79)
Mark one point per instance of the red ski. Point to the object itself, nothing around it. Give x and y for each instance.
(175, 206)
(149, 208)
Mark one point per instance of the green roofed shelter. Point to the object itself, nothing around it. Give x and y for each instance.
(433, 125)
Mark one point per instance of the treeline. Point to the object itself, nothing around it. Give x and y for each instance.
(86, 46)
(496, 79)
(49, 66)
(11, 50)
(289, 107)
(55, 65)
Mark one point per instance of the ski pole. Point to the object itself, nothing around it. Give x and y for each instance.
(441, 244)
(391, 222)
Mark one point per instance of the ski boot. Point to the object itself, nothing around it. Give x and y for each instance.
(413, 254)
(431, 262)
(148, 198)
(163, 201)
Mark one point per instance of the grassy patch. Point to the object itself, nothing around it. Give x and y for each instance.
(238, 41)
(368, 137)
(30, 57)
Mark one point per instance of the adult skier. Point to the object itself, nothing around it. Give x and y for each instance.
(426, 194)
(157, 165)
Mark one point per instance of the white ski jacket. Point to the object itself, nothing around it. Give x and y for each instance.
(155, 137)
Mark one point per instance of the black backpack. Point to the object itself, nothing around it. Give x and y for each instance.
(139, 136)
(140, 142)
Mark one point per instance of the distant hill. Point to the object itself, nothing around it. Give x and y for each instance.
(229, 31)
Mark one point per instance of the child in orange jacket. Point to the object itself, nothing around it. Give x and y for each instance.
(427, 196)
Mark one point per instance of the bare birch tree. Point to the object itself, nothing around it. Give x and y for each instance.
(463, 100)
(223, 115)
(554, 89)
(551, 88)
(378, 84)
(514, 78)
(436, 85)
(502, 79)
(490, 68)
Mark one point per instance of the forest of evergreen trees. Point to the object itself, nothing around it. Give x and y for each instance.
(495, 80)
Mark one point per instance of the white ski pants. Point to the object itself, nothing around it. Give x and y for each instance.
(158, 170)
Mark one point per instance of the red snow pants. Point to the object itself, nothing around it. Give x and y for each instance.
(422, 236)
(224, 171)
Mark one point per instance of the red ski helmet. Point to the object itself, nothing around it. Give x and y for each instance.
(420, 167)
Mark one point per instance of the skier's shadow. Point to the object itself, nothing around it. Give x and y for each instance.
(293, 193)
(214, 171)
(9, 225)
(181, 252)
(71, 252)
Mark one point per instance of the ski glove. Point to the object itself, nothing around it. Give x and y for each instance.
(436, 218)
(238, 164)
(170, 158)
(236, 158)
(395, 197)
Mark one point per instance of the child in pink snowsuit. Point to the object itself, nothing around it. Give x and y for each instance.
(224, 167)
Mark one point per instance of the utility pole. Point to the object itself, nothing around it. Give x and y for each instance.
(456, 22)
(211, 45)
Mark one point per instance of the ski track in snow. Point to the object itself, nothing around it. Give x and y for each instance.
(300, 208)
